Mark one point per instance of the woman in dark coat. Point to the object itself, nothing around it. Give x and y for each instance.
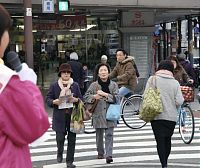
(64, 87)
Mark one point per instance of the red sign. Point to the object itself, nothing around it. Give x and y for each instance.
(67, 23)
(138, 19)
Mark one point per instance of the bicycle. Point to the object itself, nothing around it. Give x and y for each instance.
(129, 113)
(186, 116)
(186, 123)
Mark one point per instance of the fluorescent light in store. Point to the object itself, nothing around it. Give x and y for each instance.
(88, 27)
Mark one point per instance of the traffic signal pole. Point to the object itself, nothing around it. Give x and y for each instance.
(28, 35)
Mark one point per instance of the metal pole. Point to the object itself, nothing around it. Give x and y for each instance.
(190, 41)
(179, 37)
(28, 35)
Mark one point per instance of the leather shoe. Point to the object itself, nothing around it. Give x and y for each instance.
(100, 156)
(70, 165)
(109, 159)
(59, 158)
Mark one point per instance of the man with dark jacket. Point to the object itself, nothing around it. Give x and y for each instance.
(77, 69)
(187, 66)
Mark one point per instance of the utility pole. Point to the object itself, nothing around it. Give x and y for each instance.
(28, 35)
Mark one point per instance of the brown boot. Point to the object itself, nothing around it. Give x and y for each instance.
(100, 156)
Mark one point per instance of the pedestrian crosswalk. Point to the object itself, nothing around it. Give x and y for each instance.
(130, 146)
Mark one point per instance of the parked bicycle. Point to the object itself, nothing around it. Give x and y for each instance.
(129, 113)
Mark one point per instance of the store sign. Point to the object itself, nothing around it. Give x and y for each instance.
(47, 6)
(137, 19)
(63, 23)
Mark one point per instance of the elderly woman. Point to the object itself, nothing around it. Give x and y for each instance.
(163, 125)
(61, 96)
(103, 90)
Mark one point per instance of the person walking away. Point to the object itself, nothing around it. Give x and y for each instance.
(61, 96)
(171, 96)
(104, 60)
(124, 72)
(77, 69)
(23, 116)
(187, 66)
(179, 73)
(103, 90)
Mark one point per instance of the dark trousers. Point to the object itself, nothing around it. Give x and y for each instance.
(163, 131)
(71, 141)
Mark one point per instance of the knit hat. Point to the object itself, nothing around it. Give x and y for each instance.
(182, 56)
(65, 67)
(73, 56)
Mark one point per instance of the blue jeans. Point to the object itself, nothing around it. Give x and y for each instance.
(181, 110)
(123, 91)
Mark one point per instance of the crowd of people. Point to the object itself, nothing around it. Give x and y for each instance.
(68, 90)
(122, 80)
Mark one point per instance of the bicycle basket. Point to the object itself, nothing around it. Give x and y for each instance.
(188, 93)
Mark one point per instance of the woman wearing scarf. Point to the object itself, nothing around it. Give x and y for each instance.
(104, 90)
(61, 96)
(171, 96)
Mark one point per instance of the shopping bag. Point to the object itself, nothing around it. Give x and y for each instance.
(113, 112)
(77, 118)
(152, 104)
(90, 107)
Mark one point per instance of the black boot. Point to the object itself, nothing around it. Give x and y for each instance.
(70, 165)
(59, 158)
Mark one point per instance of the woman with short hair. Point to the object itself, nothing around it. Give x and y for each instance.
(104, 90)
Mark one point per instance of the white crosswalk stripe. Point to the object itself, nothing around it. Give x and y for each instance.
(129, 146)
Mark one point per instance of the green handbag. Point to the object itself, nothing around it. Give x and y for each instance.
(152, 104)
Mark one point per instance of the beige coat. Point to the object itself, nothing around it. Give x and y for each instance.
(99, 115)
(125, 73)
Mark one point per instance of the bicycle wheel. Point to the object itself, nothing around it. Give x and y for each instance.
(130, 111)
(88, 127)
(186, 124)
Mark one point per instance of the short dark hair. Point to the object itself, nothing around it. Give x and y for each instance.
(166, 65)
(5, 21)
(102, 64)
(122, 50)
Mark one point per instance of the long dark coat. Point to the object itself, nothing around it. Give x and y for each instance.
(59, 115)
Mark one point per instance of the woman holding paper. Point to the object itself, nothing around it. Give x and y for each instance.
(61, 96)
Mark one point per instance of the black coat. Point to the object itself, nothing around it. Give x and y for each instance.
(60, 118)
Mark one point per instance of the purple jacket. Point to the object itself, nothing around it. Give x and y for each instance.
(189, 69)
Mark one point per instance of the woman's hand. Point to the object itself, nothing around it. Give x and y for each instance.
(97, 96)
(101, 93)
(73, 99)
(57, 102)
(190, 81)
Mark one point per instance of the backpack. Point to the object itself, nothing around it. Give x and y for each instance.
(152, 104)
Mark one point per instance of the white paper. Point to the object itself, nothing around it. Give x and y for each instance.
(65, 102)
